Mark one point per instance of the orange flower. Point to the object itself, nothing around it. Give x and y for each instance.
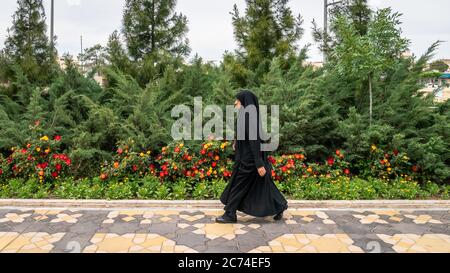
(310, 170)
(116, 165)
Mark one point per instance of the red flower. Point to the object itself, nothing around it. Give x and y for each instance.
(28, 145)
(24, 151)
(284, 169)
(119, 151)
(161, 174)
(1, 171)
(214, 164)
(58, 138)
(58, 167)
(272, 160)
(55, 174)
(347, 171)
(103, 176)
(164, 168)
(338, 152)
(42, 166)
(188, 173)
(396, 152)
(135, 168)
(330, 161)
(203, 152)
(177, 150)
(68, 162)
(415, 169)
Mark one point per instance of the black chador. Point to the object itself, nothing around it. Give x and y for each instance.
(248, 190)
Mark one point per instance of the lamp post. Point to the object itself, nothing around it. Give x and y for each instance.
(325, 26)
(52, 25)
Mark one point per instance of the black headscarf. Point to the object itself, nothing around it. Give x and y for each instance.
(248, 98)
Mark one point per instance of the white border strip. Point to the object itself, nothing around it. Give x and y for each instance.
(208, 204)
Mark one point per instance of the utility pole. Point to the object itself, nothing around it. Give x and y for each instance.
(52, 25)
(326, 5)
(325, 30)
(81, 53)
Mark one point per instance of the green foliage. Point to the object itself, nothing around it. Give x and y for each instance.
(439, 66)
(268, 29)
(150, 26)
(27, 44)
(366, 94)
(150, 188)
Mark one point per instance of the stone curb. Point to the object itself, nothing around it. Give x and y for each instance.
(210, 204)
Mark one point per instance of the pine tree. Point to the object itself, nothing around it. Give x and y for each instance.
(116, 54)
(93, 58)
(150, 26)
(357, 12)
(268, 29)
(27, 43)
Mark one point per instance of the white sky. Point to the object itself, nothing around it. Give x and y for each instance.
(210, 29)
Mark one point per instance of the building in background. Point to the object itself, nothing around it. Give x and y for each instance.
(97, 77)
(438, 83)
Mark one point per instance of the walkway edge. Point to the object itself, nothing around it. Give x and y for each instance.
(204, 204)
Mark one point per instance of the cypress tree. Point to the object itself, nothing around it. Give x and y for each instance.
(150, 26)
(27, 44)
(268, 29)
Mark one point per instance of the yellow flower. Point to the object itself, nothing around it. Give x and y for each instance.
(181, 145)
(47, 151)
(142, 154)
(149, 152)
(374, 148)
(44, 138)
(38, 149)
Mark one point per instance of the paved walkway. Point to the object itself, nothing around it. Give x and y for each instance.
(180, 230)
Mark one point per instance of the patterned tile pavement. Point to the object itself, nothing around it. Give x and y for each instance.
(191, 231)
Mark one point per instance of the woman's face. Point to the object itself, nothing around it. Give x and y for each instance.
(237, 104)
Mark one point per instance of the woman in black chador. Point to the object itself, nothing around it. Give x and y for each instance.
(251, 189)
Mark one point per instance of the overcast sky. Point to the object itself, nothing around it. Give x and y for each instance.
(210, 29)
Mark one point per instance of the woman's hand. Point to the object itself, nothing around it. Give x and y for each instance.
(262, 171)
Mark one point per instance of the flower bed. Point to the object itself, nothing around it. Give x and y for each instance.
(42, 170)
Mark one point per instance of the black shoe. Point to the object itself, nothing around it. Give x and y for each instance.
(225, 220)
(278, 217)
